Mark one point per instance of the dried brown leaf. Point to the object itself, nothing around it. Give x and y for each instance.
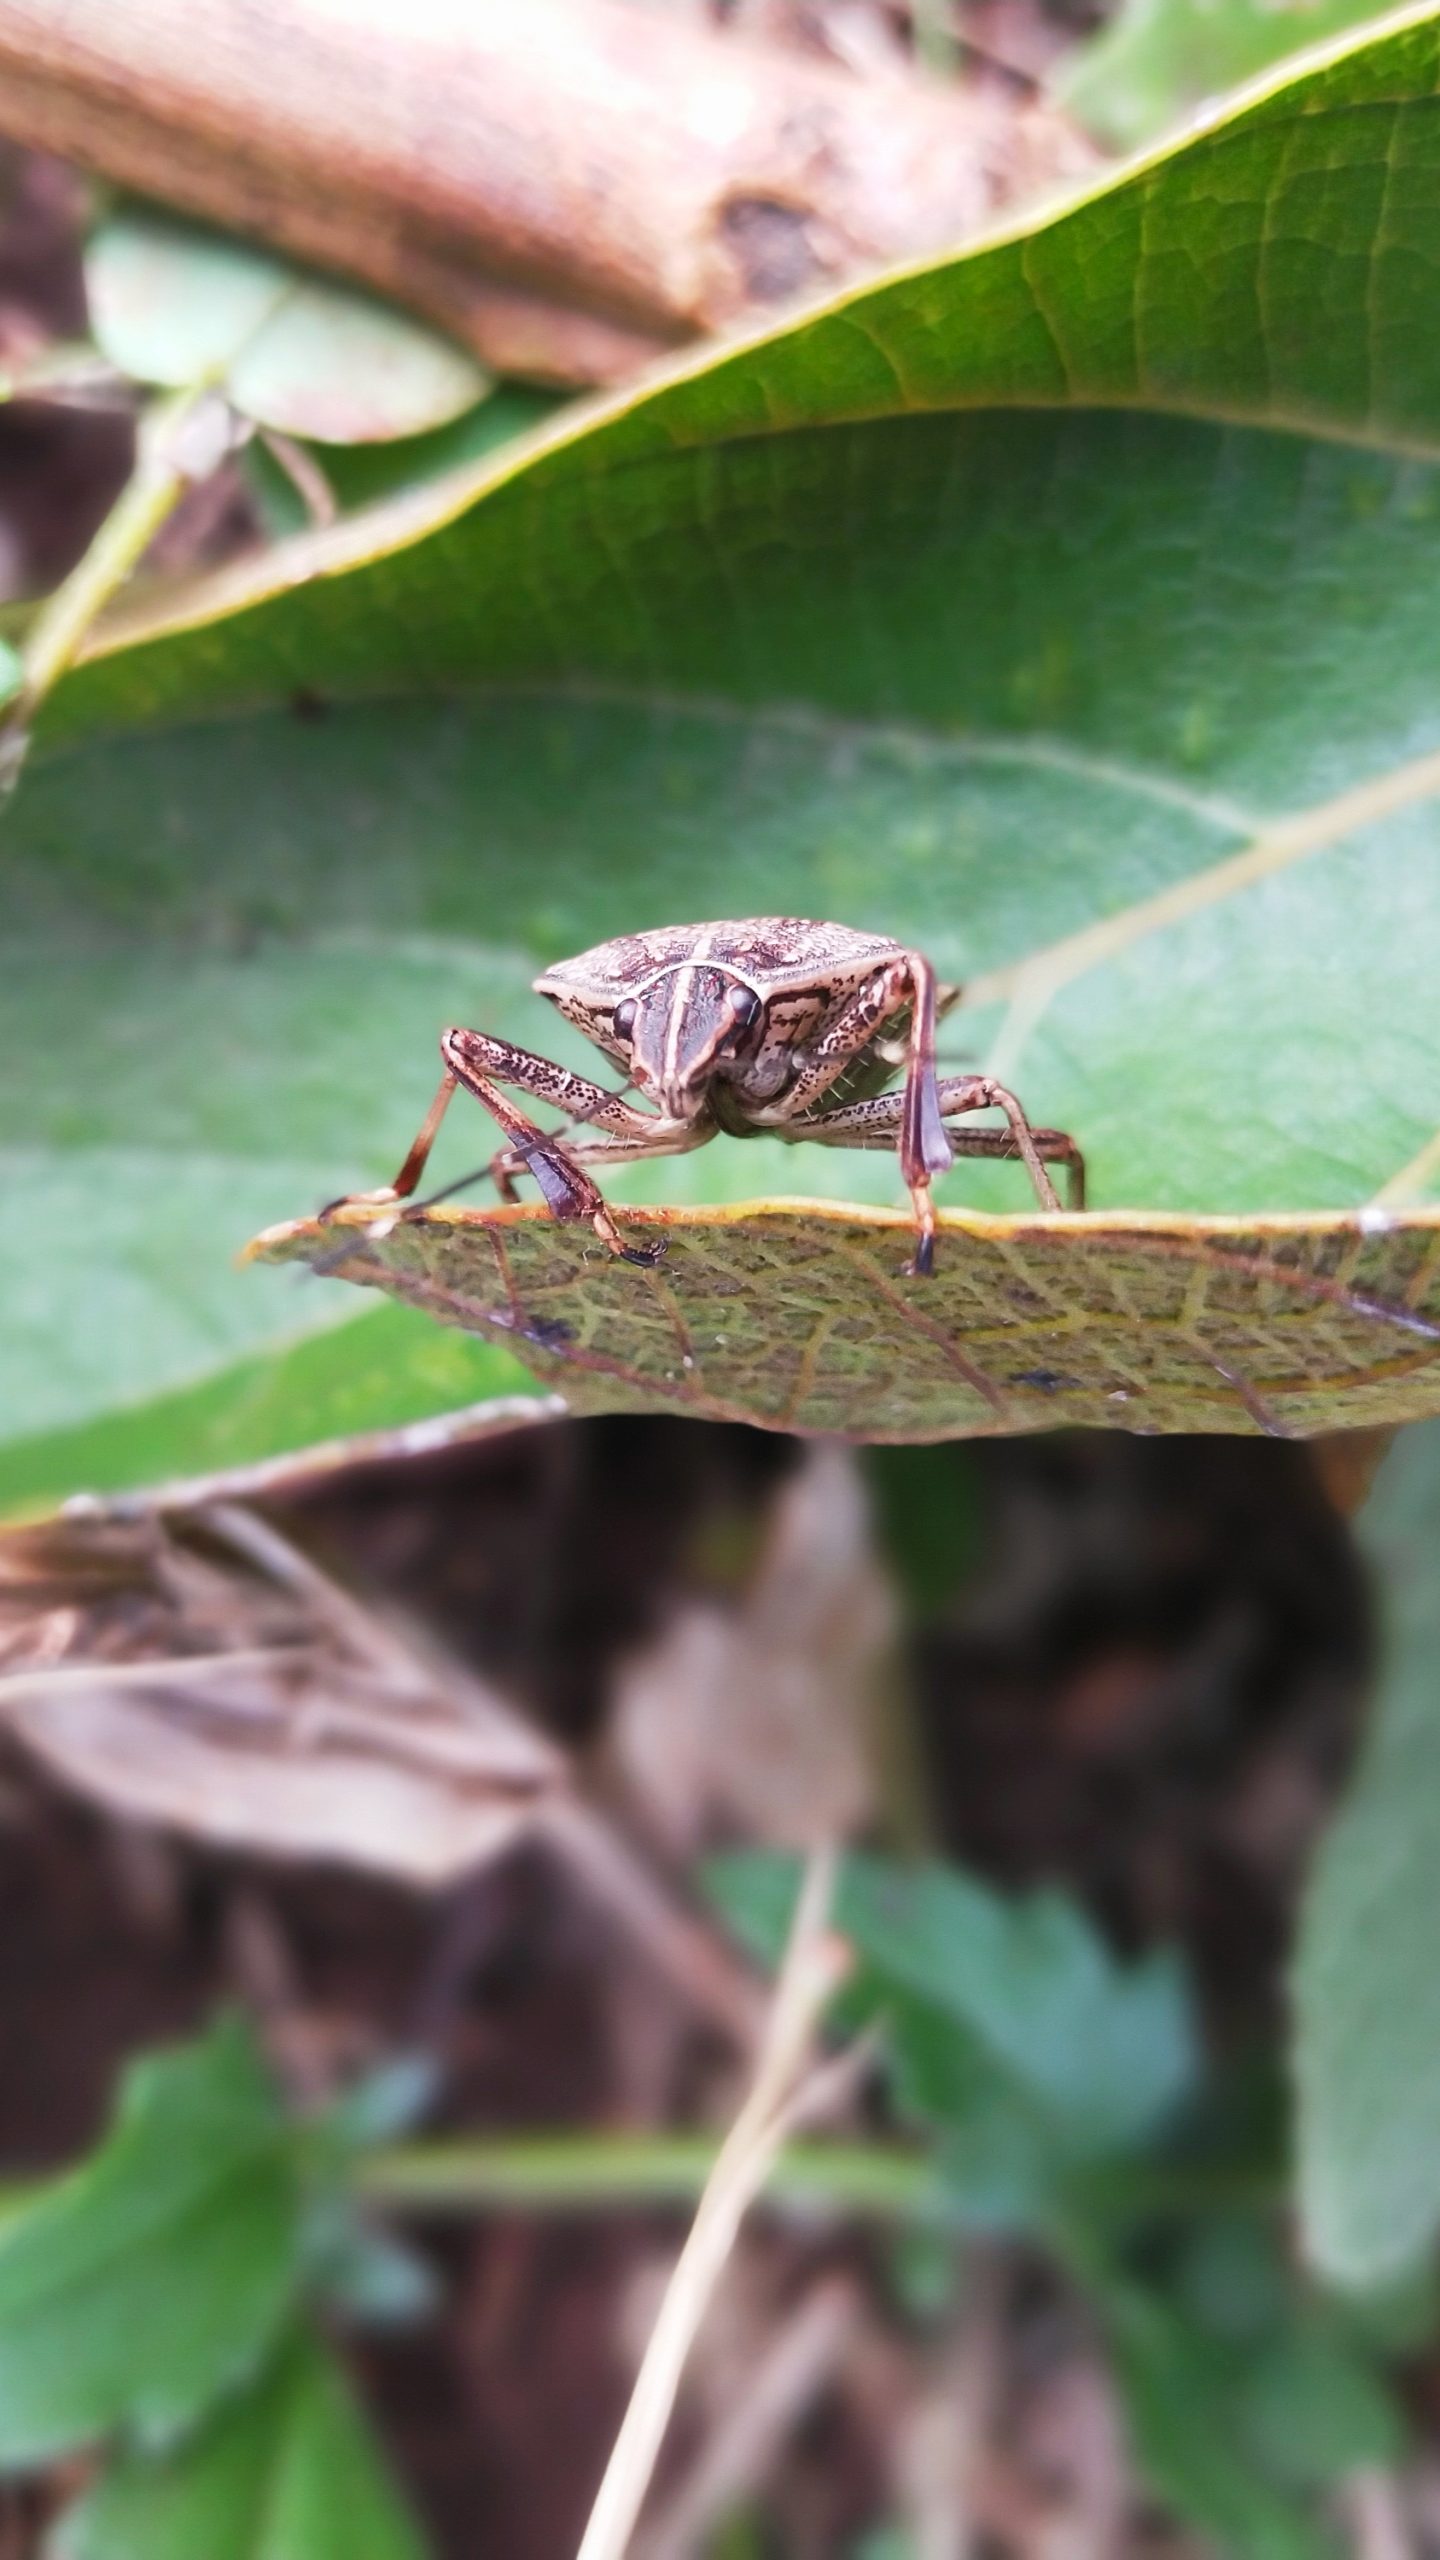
(214, 1681)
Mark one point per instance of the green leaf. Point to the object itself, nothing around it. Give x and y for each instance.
(809, 1319)
(173, 303)
(1367, 1989)
(343, 1387)
(1316, 2410)
(1303, 2379)
(289, 2471)
(1178, 2390)
(140, 2287)
(927, 1504)
(1246, 2391)
(1067, 606)
(382, 2104)
(1012, 2029)
(1155, 61)
(1105, 2048)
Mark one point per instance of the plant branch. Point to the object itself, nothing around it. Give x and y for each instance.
(563, 2173)
(180, 438)
(568, 187)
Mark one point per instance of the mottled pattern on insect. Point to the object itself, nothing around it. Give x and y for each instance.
(773, 1025)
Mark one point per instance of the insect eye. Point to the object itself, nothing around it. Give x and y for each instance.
(622, 1020)
(743, 1006)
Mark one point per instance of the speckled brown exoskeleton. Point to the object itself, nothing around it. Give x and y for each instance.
(772, 1025)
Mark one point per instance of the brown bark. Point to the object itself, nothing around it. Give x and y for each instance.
(518, 168)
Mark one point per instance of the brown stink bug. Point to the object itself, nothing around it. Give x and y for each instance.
(772, 1025)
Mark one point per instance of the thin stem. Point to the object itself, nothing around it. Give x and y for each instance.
(580, 2173)
(569, 2173)
(161, 474)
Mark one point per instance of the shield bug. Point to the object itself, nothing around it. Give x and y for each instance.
(773, 1025)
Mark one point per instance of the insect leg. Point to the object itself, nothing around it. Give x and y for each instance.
(925, 1148)
(473, 1058)
(858, 1026)
(982, 1093)
(414, 1164)
(881, 1122)
(482, 1065)
(876, 1123)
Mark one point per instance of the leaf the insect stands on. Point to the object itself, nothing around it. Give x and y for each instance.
(806, 1318)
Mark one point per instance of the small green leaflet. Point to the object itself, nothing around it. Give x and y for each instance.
(153, 2278)
(173, 303)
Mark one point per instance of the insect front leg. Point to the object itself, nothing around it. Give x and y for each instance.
(483, 1065)
(415, 1162)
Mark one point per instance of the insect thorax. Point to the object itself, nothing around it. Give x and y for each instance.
(668, 982)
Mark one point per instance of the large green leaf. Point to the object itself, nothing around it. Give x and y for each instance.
(1069, 606)
(137, 2289)
(288, 2472)
(1246, 2389)
(1368, 1986)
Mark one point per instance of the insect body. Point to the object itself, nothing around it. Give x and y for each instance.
(774, 1026)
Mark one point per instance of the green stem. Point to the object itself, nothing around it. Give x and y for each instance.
(568, 2173)
(564, 2173)
(151, 493)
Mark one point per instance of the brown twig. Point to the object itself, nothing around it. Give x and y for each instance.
(812, 1968)
(788, 2377)
(568, 186)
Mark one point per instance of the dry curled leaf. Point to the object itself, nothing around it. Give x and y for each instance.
(198, 1671)
(755, 1716)
(240, 1697)
(799, 1317)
